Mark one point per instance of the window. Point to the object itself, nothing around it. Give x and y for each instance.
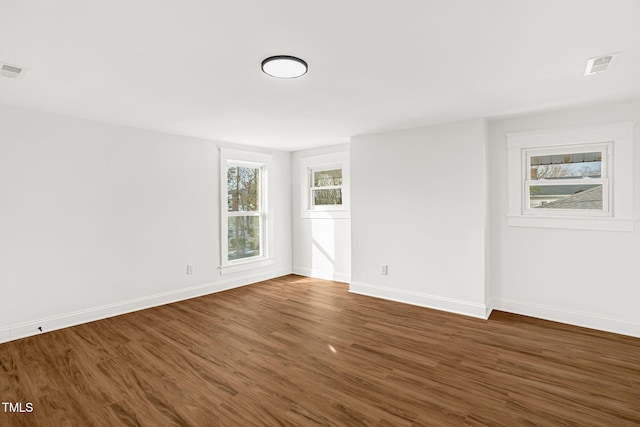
(572, 178)
(326, 187)
(244, 216)
(244, 211)
(324, 181)
(568, 180)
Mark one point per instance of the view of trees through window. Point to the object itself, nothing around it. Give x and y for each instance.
(243, 205)
(327, 187)
(577, 165)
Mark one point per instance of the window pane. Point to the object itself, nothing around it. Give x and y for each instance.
(243, 184)
(244, 237)
(327, 178)
(567, 166)
(566, 196)
(327, 197)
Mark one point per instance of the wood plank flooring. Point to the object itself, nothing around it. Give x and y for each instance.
(297, 351)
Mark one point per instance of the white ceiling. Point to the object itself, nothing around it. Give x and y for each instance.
(193, 67)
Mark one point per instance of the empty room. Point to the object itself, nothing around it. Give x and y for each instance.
(339, 213)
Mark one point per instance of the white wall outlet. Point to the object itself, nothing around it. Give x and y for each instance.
(384, 269)
(189, 269)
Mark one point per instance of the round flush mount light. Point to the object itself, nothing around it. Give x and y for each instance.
(284, 66)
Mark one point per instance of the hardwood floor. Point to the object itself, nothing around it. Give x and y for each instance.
(299, 351)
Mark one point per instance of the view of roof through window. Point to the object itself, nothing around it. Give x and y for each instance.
(575, 195)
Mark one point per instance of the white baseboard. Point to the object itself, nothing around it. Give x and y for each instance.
(571, 317)
(66, 320)
(423, 300)
(321, 274)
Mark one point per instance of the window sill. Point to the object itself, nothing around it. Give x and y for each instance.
(245, 265)
(325, 214)
(572, 223)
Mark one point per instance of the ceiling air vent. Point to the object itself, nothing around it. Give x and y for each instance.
(598, 64)
(11, 71)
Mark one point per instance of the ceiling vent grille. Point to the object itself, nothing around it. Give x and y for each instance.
(598, 64)
(11, 71)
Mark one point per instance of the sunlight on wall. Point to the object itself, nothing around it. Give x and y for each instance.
(324, 245)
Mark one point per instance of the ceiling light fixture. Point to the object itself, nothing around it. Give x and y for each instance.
(284, 67)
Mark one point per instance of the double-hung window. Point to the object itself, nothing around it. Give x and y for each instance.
(244, 216)
(568, 180)
(577, 178)
(325, 185)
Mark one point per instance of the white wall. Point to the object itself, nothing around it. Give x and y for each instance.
(419, 204)
(588, 278)
(321, 246)
(97, 219)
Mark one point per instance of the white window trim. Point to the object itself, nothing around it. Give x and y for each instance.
(246, 158)
(617, 138)
(310, 180)
(324, 162)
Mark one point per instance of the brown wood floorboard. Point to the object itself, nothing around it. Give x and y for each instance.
(297, 351)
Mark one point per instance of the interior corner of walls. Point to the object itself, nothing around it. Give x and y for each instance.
(322, 274)
(436, 302)
(570, 317)
(320, 151)
(489, 308)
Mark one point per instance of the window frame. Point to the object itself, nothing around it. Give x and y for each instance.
(263, 162)
(617, 141)
(318, 163)
(311, 181)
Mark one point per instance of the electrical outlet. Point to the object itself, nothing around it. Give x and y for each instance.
(189, 269)
(384, 269)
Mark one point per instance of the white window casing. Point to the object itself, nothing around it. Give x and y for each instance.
(320, 163)
(263, 212)
(615, 145)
